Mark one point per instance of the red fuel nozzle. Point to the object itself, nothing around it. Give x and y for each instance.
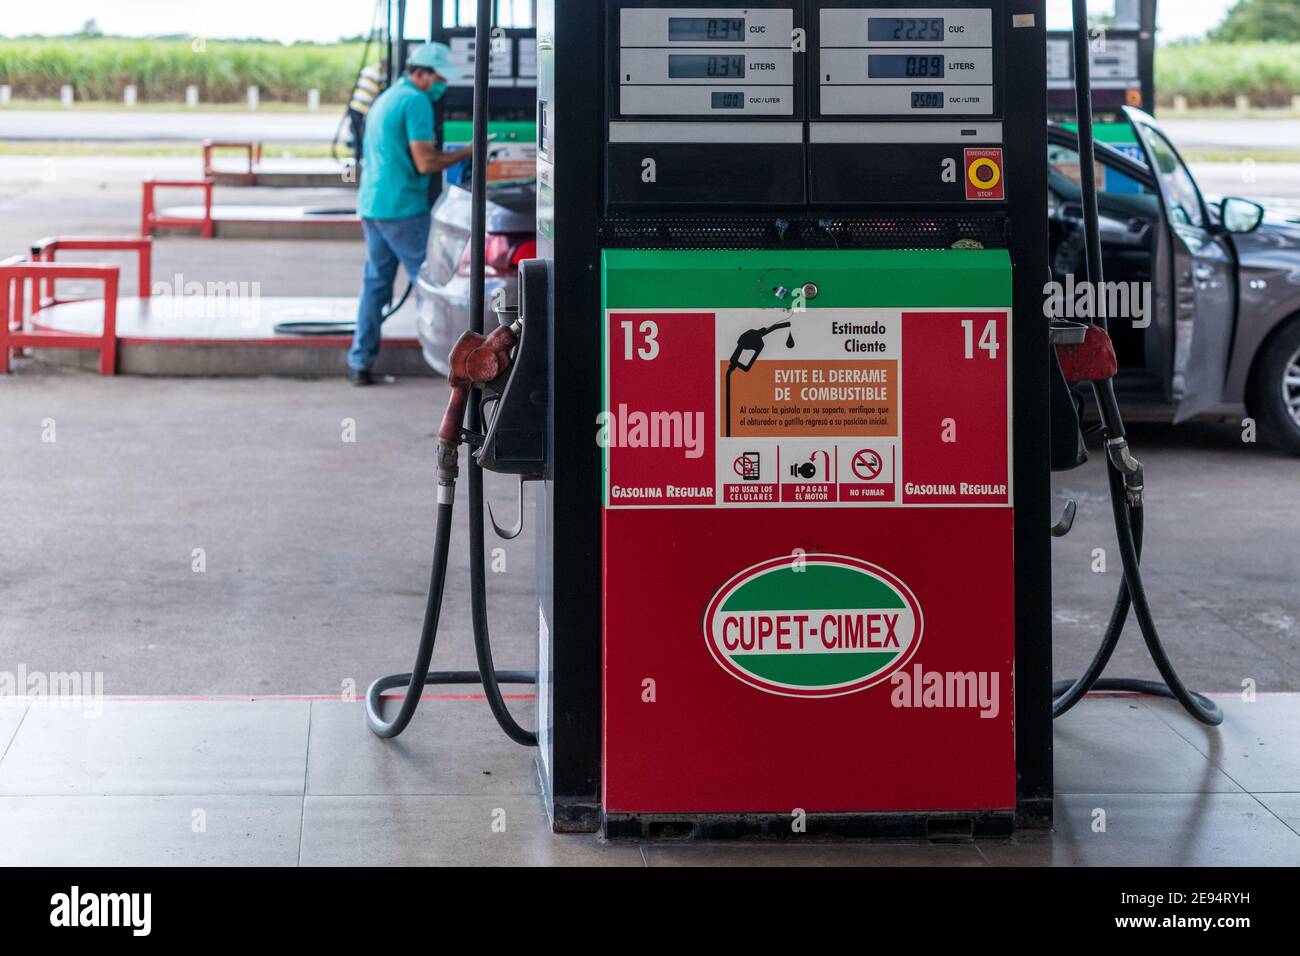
(1092, 360)
(475, 361)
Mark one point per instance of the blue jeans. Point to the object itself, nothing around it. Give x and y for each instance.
(388, 243)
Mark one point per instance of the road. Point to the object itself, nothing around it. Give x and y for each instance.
(1234, 134)
(148, 125)
(144, 125)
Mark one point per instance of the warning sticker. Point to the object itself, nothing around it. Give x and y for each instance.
(984, 174)
(767, 407)
(829, 398)
(796, 397)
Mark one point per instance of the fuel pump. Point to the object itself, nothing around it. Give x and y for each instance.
(798, 587)
(794, 568)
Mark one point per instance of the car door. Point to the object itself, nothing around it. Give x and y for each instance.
(1201, 263)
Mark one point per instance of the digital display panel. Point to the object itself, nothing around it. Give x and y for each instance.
(706, 66)
(903, 66)
(885, 29)
(712, 29)
(728, 101)
(927, 101)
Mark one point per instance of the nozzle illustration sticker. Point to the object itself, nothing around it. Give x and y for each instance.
(813, 625)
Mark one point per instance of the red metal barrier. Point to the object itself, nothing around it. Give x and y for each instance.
(17, 275)
(151, 220)
(44, 250)
(254, 151)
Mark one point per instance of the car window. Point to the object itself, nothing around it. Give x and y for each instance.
(1065, 161)
(1176, 183)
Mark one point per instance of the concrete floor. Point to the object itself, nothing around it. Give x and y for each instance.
(316, 549)
(285, 782)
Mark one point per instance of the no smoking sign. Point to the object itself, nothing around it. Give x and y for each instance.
(867, 464)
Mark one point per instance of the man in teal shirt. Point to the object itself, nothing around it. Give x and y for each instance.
(398, 157)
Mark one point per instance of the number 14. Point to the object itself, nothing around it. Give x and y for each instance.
(988, 338)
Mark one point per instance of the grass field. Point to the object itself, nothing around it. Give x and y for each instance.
(1211, 74)
(100, 68)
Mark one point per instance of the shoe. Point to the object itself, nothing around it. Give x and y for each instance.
(360, 376)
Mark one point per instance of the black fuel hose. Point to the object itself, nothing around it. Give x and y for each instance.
(487, 674)
(1124, 474)
(338, 328)
(1129, 522)
(420, 676)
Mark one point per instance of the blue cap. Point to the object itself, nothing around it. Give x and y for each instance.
(436, 57)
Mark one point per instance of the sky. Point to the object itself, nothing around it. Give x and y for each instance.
(326, 20)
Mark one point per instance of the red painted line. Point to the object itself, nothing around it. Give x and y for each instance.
(217, 698)
(314, 341)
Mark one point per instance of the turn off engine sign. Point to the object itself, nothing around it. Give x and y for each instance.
(745, 408)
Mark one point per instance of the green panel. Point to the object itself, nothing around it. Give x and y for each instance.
(819, 587)
(462, 131)
(1108, 132)
(814, 670)
(846, 278)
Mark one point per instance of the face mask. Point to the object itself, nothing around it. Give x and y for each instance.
(436, 91)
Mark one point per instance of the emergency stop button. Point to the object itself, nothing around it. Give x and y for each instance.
(984, 174)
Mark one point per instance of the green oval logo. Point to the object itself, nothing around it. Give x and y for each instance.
(813, 625)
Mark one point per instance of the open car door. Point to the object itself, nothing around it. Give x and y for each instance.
(1201, 283)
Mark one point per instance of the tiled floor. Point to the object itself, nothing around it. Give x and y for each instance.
(284, 782)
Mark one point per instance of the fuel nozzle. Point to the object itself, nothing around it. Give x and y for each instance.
(1121, 456)
(476, 361)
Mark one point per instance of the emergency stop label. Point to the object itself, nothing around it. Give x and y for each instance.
(814, 408)
(984, 178)
(816, 625)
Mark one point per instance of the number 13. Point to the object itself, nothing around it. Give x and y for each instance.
(649, 349)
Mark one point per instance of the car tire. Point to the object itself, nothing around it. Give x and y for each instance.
(1269, 390)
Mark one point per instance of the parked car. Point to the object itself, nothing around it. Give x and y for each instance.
(442, 289)
(1224, 332)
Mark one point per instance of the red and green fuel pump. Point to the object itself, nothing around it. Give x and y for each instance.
(783, 379)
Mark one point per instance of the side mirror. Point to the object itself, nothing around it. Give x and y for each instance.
(1241, 215)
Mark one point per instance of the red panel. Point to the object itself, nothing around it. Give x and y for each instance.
(955, 421)
(676, 388)
(712, 744)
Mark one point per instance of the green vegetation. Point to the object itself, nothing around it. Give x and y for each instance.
(99, 68)
(1259, 20)
(1211, 74)
(1208, 74)
(1225, 154)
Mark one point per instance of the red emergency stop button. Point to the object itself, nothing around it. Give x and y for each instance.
(984, 174)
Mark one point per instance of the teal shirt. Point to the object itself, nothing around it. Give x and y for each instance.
(391, 186)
